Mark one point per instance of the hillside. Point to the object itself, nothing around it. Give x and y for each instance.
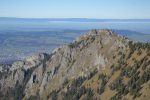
(101, 65)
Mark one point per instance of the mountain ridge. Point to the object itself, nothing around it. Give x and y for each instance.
(73, 19)
(86, 68)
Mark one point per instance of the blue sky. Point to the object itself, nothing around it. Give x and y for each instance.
(106, 9)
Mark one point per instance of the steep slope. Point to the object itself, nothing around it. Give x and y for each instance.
(98, 65)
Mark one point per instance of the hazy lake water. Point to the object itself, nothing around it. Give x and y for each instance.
(143, 27)
(19, 39)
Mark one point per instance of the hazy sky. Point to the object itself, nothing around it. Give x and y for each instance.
(75, 8)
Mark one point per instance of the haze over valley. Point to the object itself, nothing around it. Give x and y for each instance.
(22, 37)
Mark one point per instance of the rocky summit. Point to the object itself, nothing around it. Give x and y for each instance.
(100, 65)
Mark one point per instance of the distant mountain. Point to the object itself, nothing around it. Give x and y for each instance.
(100, 65)
(133, 35)
(73, 19)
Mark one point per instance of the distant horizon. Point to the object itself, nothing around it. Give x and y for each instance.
(76, 18)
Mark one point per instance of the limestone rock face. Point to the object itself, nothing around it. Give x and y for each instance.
(42, 73)
(19, 72)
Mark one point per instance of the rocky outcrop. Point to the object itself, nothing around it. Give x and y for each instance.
(41, 74)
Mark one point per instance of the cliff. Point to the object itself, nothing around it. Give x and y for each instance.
(98, 65)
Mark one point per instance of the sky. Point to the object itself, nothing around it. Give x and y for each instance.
(100, 9)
